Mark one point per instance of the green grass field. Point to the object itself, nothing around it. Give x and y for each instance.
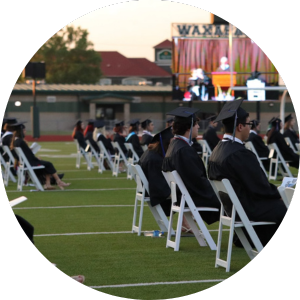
(86, 229)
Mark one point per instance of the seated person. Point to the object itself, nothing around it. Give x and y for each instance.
(118, 137)
(198, 85)
(88, 136)
(210, 134)
(224, 67)
(289, 131)
(133, 138)
(78, 134)
(260, 147)
(184, 159)
(100, 134)
(151, 164)
(49, 170)
(148, 127)
(231, 160)
(275, 136)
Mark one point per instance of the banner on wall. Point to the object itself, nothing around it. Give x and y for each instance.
(205, 31)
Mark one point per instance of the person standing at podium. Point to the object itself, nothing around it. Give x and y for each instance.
(224, 66)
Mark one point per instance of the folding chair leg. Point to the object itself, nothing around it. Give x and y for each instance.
(170, 229)
(245, 242)
(78, 160)
(160, 217)
(219, 243)
(195, 229)
(134, 227)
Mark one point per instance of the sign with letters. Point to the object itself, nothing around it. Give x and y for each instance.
(205, 31)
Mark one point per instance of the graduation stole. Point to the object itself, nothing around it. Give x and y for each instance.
(129, 135)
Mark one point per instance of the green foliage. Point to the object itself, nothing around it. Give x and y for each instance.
(70, 57)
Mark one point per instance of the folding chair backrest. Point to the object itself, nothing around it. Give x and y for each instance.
(286, 194)
(279, 161)
(144, 147)
(206, 151)
(120, 151)
(7, 150)
(129, 147)
(140, 178)
(290, 144)
(249, 146)
(226, 187)
(105, 155)
(25, 165)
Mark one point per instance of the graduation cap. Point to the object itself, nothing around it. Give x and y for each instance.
(254, 123)
(145, 123)
(18, 124)
(134, 122)
(90, 121)
(9, 121)
(164, 135)
(211, 118)
(99, 123)
(119, 123)
(185, 115)
(288, 118)
(275, 122)
(231, 112)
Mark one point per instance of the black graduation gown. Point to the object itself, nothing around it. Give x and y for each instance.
(33, 160)
(146, 139)
(210, 135)
(6, 141)
(80, 138)
(185, 160)
(259, 145)
(134, 140)
(292, 135)
(286, 151)
(196, 146)
(151, 164)
(259, 198)
(89, 137)
(121, 140)
(107, 144)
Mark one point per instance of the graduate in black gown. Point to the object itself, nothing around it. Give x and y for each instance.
(118, 136)
(260, 199)
(184, 159)
(275, 136)
(210, 134)
(260, 147)
(88, 136)
(289, 131)
(133, 138)
(49, 170)
(147, 136)
(100, 134)
(151, 164)
(78, 134)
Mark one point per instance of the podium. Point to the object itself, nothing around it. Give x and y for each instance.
(222, 79)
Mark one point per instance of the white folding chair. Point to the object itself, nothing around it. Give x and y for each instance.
(81, 151)
(119, 156)
(25, 166)
(230, 221)
(142, 187)
(96, 155)
(290, 144)
(249, 146)
(144, 147)
(131, 160)
(298, 147)
(105, 156)
(286, 194)
(190, 212)
(7, 165)
(206, 151)
(277, 162)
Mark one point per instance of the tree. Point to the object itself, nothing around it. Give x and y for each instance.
(70, 57)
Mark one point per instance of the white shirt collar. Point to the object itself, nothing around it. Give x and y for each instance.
(147, 132)
(184, 138)
(98, 134)
(230, 137)
(6, 133)
(252, 131)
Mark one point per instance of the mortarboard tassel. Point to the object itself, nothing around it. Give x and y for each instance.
(234, 127)
(190, 138)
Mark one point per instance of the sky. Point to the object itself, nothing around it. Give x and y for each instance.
(134, 28)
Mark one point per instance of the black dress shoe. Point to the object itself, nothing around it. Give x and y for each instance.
(52, 181)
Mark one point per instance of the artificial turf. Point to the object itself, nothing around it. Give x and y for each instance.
(98, 209)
